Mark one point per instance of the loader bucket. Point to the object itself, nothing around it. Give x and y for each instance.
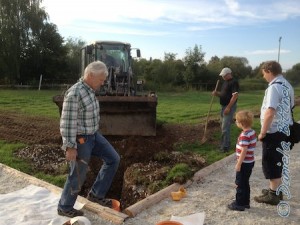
(124, 115)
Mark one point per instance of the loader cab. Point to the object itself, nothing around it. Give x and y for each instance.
(118, 59)
(118, 52)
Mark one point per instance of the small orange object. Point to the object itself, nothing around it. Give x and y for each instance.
(169, 222)
(116, 205)
(81, 140)
(183, 191)
(178, 195)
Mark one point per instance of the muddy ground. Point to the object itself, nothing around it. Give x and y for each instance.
(41, 135)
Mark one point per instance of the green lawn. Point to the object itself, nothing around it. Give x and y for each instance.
(184, 107)
(192, 107)
(30, 102)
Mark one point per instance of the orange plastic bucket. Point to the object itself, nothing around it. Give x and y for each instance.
(116, 205)
(169, 222)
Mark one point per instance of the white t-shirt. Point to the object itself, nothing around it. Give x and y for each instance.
(280, 96)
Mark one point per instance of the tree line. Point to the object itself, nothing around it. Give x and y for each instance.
(32, 46)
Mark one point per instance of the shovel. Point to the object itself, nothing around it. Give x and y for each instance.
(204, 139)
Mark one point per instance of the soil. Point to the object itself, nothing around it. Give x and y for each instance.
(151, 156)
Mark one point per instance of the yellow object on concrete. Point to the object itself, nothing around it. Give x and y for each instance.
(178, 195)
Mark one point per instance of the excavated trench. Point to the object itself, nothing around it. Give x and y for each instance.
(145, 161)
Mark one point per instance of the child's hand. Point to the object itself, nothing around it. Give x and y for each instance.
(237, 168)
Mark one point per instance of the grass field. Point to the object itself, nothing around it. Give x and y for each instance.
(185, 107)
(30, 102)
(192, 107)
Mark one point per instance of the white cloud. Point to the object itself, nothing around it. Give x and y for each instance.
(205, 27)
(102, 28)
(267, 52)
(160, 18)
(189, 13)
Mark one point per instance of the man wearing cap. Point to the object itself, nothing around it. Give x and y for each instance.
(228, 101)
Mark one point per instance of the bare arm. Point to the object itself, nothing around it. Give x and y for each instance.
(268, 118)
(230, 104)
(216, 93)
(233, 99)
(241, 159)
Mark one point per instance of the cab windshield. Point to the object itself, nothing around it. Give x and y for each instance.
(113, 55)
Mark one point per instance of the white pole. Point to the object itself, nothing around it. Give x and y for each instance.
(41, 77)
(279, 49)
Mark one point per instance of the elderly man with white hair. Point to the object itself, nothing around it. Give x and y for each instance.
(79, 125)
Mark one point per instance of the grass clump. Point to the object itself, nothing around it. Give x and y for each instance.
(179, 173)
(7, 157)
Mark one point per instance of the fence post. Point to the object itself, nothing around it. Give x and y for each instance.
(41, 77)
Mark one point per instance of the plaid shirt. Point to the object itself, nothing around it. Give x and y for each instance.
(80, 114)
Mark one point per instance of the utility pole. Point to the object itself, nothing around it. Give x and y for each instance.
(279, 49)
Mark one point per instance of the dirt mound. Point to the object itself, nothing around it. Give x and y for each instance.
(47, 158)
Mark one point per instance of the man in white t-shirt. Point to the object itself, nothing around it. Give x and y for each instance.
(276, 117)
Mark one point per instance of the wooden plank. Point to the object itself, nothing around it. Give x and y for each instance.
(104, 212)
(136, 208)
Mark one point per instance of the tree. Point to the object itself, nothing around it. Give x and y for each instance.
(73, 46)
(193, 60)
(239, 65)
(170, 56)
(256, 73)
(179, 76)
(172, 70)
(30, 46)
(45, 56)
(20, 22)
(195, 56)
(293, 75)
(214, 68)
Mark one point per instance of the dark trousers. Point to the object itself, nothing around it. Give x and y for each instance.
(271, 158)
(243, 187)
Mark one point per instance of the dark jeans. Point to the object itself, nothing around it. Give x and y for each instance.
(243, 187)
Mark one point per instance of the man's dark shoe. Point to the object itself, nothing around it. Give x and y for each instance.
(101, 201)
(271, 198)
(266, 191)
(70, 213)
(235, 207)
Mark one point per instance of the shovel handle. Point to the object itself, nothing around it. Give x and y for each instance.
(212, 99)
(217, 84)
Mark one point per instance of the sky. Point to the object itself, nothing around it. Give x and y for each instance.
(240, 28)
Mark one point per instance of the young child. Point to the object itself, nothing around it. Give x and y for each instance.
(245, 147)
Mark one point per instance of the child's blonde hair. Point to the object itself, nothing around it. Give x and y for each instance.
(245, 118)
